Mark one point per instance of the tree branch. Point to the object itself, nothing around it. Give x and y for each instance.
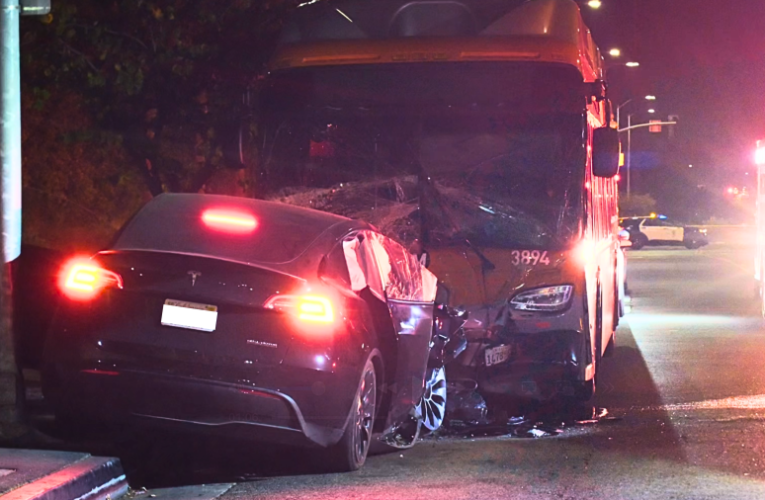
(131, 37)
(77, 52)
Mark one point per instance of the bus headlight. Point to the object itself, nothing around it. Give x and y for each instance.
(547, 299)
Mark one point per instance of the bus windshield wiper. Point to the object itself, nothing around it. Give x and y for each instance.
(486, 264)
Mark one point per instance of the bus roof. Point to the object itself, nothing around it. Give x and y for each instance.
(338, 33)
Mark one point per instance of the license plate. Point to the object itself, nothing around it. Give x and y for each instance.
(191, 315)
(497, 355)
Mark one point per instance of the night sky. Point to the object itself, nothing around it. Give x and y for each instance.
(704, 60)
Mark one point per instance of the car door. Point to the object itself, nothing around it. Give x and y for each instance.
(396, 276)
(653, 230)
(678, 231)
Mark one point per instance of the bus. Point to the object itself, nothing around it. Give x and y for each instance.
(479, 134)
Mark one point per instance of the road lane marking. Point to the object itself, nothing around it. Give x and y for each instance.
(755, 402)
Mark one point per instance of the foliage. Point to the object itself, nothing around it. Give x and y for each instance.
(119, 93)
(636, 204)
(76, 189)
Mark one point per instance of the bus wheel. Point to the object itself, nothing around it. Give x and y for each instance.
(581, 391)
(585, 390)
(598, 335)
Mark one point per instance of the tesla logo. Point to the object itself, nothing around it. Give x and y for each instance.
(194, 275)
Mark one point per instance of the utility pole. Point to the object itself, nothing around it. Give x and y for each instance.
(10, 156)
(10, 187)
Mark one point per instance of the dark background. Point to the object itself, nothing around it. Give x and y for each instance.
(705, 61)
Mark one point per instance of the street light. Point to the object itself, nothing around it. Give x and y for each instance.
(629, 136)
(619, 107)
(615, 52)
(652, 111)
(632, 64)
(595, 4)
(628, 129)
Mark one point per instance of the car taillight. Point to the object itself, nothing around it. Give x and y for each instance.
(313, 308)
(83, 279)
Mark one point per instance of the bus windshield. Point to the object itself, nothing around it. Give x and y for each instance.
(487, 154)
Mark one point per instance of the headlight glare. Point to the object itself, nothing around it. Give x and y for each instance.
(547, 299)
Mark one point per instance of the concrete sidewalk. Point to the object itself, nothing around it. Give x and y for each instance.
(59, 475)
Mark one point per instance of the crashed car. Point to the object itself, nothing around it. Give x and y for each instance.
(255, 319)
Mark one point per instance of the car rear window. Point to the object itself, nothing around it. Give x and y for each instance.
(174, 223)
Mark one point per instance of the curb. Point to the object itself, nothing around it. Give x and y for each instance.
(92, 478)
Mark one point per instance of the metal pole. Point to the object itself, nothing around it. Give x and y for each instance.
(10, 134)
(644, 125)
(10, 205)
(629, 153)
(618, 110)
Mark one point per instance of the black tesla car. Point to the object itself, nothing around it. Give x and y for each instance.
(253, 318)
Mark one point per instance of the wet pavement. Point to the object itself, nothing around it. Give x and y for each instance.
(680, 413)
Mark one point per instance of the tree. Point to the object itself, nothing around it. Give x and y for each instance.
(636, 205)
(164, 77)
(76, 189)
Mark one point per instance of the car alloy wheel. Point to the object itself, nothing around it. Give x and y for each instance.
(364, 416)
(432, 406)
(351, 451)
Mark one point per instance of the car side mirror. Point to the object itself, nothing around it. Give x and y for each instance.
(605, 152)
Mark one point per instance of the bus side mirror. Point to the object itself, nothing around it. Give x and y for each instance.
(605, 152)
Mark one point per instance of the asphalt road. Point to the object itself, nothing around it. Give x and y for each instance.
(686, 385)
(685, 389)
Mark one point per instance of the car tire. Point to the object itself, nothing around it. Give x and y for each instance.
(351, 451)
(431, 409)
(640, 241)
(692, 245)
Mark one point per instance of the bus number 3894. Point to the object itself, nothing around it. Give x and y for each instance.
(530, 257)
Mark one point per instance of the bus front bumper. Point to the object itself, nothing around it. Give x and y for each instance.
(537, 366)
